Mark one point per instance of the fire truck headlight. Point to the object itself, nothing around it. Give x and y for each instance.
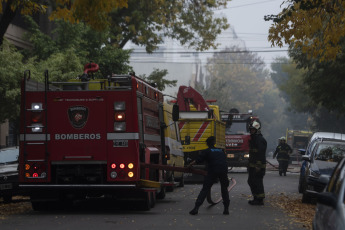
(130, 174)
(246, 155)
(113, 175)
(36, 128)
(119, 126)
(119, 105)
(130, 165)
(120, 116)
(36, 106)
(44, 175)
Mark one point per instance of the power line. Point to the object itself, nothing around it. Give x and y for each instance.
(221, 63)
(209, 52)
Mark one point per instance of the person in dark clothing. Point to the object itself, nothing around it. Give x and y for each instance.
(282, 153)
(257, 164)
(217, 169)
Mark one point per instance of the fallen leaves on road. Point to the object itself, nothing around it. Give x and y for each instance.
(19, 205)
(293, 206)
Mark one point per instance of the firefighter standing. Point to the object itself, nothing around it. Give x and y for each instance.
(257, 164)
(217, 169)
(282, 153)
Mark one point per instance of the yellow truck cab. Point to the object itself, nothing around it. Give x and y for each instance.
(173, 146)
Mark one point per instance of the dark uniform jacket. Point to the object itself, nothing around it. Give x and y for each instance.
(257, 151)
(282, 152)
(215, 158)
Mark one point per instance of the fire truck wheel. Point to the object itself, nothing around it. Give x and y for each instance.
(147, 202)
(162, 193)
(38, 205)
(153, 199)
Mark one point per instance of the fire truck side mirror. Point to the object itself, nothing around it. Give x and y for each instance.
(175, 112)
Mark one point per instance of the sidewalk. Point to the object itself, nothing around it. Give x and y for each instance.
(272, 165)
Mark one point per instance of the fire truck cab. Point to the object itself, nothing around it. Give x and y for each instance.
(86, 138)
(237, 136)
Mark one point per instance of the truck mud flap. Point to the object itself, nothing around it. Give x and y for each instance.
(214, 201)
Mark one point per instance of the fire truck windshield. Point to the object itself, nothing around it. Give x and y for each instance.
(237, 128)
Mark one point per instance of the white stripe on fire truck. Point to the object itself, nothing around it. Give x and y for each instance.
(35, 137)
(149, 137)
(122, 136)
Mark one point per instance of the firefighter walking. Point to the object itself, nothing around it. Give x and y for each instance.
(257, 164)
(217, 169)
(282, 153)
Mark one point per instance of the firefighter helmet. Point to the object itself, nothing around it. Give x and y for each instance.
(255, 125)
(282, 139)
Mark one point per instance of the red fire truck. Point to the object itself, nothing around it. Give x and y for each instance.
(237, 136)
(90, 138)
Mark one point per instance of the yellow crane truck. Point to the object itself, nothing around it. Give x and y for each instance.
(197, 122)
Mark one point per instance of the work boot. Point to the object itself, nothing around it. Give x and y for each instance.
(256, 202)
(284, 173)
(194, 210)
(226, 208)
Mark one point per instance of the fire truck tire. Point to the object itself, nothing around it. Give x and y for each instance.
(162, 193)
(147, 202)
(38, 205)
(153, 199)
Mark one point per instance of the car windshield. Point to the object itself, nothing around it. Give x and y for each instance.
(333, 152)
(9, 155)
(237, 128)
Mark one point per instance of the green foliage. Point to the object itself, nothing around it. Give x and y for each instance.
(82, 44)
(113, 60)
(157, 76)
(293, 83)
(11, 72)
(63, 57)
(147, 22)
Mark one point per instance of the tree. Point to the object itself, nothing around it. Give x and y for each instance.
(303, 108)
(147, 22)
(93, 13)
(63, 60)
(240, 85)
(9, 9)
(245, 87)
(11, 72)
(316, 27)
(324, 79)
(157, 77)
(84, 43)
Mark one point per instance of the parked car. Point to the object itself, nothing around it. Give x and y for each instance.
(330, 209)
(316, 137)
(321, 161)
(9, 173)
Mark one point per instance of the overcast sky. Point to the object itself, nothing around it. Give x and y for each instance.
(247, 18)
